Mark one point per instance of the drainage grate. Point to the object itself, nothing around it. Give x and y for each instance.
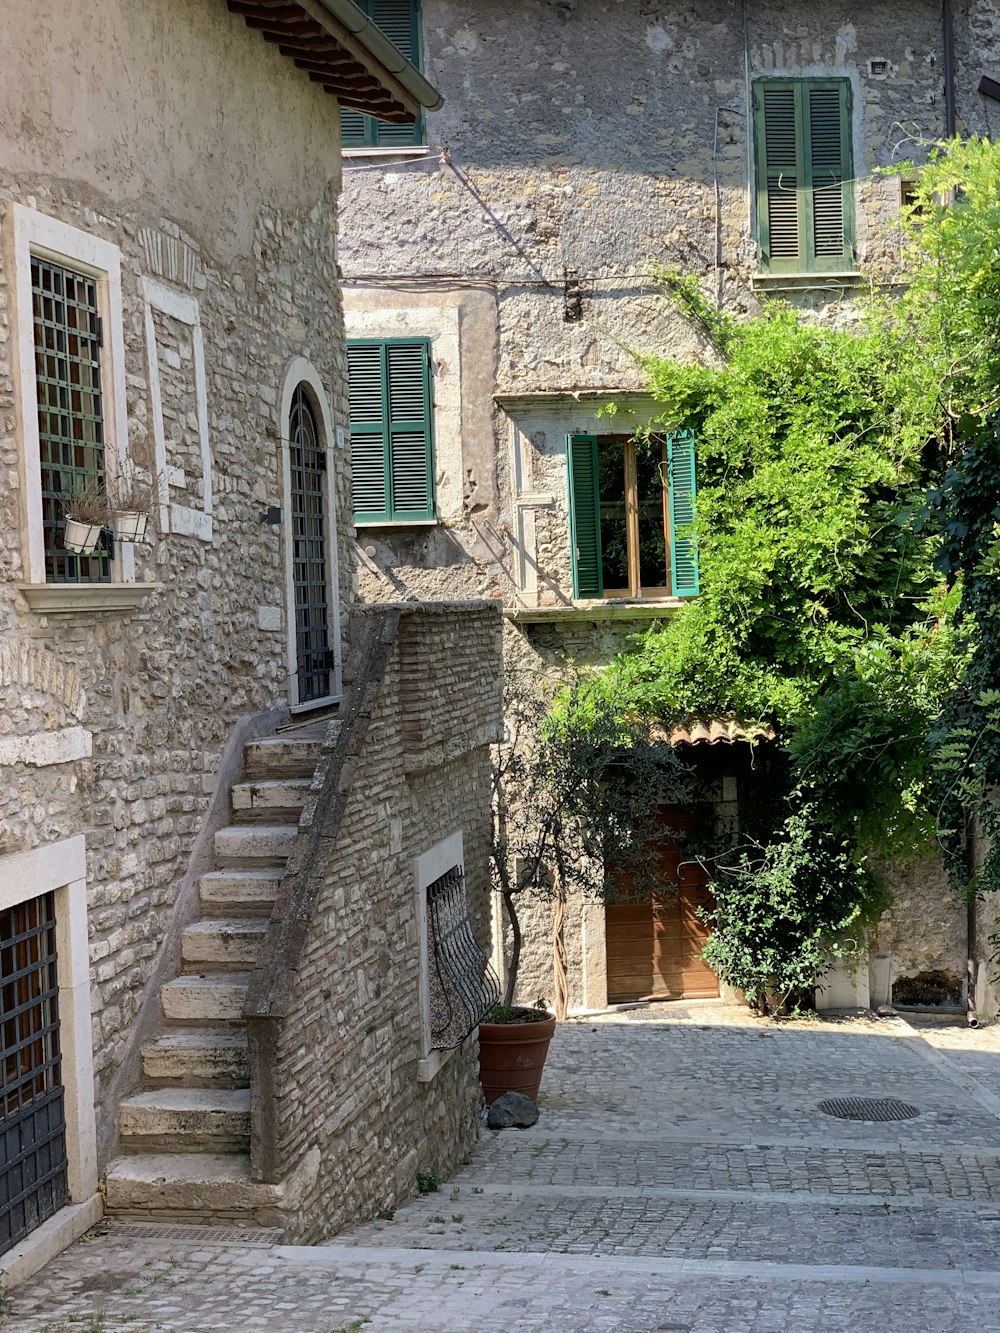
(868, 1108)
(260, 1237)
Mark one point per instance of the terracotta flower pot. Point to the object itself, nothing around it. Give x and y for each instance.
(511, 1056)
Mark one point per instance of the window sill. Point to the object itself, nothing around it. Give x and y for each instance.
(432, 1064)
(407, 150)
(397, 523)
(803, 282)
(64, 599)
(596, 610)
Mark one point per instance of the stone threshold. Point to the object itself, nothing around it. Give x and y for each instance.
(979, 1209)
(333, 1256)
(49, 1239)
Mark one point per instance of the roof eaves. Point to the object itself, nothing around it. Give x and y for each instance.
(339, 47)
(371, 37)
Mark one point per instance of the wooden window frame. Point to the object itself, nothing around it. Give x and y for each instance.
(635, 590)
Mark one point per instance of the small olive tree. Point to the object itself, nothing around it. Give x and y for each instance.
(577, 790)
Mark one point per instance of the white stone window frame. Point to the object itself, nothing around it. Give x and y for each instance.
(31, 233)
(430, 866)
(61, 868)
(180, 519)
(302, 371)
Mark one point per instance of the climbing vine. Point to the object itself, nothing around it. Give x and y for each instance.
(849, 542)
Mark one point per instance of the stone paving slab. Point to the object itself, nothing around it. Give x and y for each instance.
(126, 1288)
(680, 1181)
(673, 1078)
(581, 1221)
(698, 1165)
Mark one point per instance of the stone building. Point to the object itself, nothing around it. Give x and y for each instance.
(230, 832)
(497, 283)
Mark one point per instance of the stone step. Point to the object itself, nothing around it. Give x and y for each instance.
(199, 1187)
(271, 797)
(270, 843)
(282, 756)
(205, 999)
(198, 1058)
(240, 891)
(223, 941)
(178, 1119)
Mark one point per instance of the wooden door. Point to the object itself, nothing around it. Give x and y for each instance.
(654, 946)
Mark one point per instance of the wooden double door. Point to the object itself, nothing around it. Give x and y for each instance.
(654, 945)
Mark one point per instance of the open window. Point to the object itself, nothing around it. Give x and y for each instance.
(631, 516)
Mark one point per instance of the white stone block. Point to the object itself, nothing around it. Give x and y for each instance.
(47, 747)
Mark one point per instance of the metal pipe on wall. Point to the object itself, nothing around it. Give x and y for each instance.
(948, 48)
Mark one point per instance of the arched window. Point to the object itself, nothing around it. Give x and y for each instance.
(310, 564)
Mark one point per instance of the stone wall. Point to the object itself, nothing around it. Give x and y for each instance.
(221, 190)
(347, 1065)
(534, 163)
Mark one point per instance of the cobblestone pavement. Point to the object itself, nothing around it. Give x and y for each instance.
(681, 1178)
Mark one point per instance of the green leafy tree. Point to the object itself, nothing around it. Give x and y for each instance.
(576, 791)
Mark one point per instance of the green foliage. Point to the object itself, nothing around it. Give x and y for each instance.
(849, 543)
(785, 911)
(809, 450)
(427, 1182)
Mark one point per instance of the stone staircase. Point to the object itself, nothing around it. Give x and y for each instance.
(184, 1137)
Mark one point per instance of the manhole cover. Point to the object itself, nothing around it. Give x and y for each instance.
(868, 1108)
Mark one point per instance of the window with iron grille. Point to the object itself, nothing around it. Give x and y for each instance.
(68, 340)
(462, 987)
(805, 175)
(33, 1183)
(399, 20)
(392, 447)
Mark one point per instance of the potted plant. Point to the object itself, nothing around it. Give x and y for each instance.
(86, 518)
(576, 790)
(131, 498)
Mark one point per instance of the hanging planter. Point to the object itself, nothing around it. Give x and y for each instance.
(82, 538)
(129, 525)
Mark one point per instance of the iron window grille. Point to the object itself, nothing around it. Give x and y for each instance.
(463, 986)
(32, 1126)
(68, 339)
(314, 657)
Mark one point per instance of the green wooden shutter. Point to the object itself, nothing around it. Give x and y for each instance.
(805, 211)
(779, 175)
(584, 516)
(392, 444)
(830, 170)
(369, 443)
(408, 396)
(399, 20)
(683, 548)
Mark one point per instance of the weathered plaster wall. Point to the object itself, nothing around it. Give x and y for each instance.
(172, 131)
(562, 167)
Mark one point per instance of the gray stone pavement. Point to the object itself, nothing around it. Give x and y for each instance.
(681, 1178)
